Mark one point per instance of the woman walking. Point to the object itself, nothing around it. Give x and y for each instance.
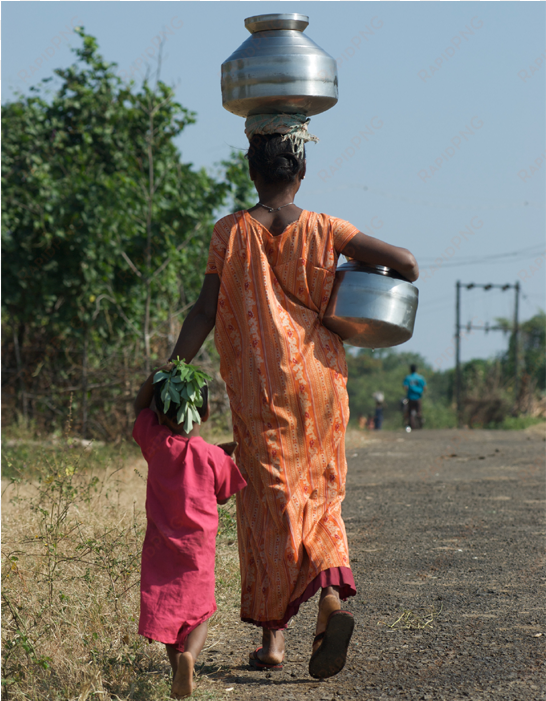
(267, 284)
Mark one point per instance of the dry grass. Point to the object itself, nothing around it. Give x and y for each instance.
(71, 545)
(410, 620)
(70, 585)
(538, 430)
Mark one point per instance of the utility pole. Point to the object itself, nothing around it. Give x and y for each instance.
(516, 345)
(486, 328)
(458, 353)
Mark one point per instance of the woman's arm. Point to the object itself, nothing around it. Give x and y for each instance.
(199, 322)
(366, 249)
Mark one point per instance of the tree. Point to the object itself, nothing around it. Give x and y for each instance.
(531, 347)
(384, 371)
(243, 194)
(105, 230)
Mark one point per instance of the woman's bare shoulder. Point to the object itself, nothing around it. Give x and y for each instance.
(329, 221)
(230, 220)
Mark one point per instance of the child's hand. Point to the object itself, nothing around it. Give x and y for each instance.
(228, 448)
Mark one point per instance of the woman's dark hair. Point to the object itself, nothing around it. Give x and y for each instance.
(173, 409)
(274, 158)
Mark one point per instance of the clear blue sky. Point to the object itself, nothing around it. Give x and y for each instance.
(450, 99)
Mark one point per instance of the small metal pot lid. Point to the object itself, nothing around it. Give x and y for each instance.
(264, 23)
(355, 266)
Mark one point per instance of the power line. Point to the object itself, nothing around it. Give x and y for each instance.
(527, 251)
(437, 305)
(449, 205)
(411, 199)
(522, 254)
(474, 327)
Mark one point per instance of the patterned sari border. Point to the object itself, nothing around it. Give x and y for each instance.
(341, 577)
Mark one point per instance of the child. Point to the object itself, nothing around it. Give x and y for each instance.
(378, 416)
(187, 477)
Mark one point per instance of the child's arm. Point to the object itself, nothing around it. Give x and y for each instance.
(146, 392)
(145, 395)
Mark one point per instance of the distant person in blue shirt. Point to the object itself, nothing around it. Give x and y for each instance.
(416, 385)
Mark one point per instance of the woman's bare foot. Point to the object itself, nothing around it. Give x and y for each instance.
(333, 635)
(329, 602)
(272, 650)
(183, 679)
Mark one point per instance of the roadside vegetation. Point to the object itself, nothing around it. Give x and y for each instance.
(71, 545)
(490, 399)
(105, 234)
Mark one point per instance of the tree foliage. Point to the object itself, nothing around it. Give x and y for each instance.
(489, 395)
(104, 229)
(384, 371)
(531, 349)
(105, 232)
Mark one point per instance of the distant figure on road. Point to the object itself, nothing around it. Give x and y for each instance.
(416, 385)
(378, 416)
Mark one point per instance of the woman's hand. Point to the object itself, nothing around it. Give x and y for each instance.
(228, 448)
(367, 249)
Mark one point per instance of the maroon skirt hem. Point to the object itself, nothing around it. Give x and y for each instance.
(341, 577)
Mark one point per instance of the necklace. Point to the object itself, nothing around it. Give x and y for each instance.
(274, 209)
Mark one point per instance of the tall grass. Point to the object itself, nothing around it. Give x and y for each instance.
(71, 548)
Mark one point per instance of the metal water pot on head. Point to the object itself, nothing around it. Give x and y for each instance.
(279, 69)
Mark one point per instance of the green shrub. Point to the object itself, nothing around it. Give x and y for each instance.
(517, 423)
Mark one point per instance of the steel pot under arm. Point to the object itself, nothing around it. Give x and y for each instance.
(371, 306)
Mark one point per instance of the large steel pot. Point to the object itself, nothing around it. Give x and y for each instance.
(371, 306)
(279, 70)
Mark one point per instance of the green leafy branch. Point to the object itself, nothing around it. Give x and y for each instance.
(183, 387)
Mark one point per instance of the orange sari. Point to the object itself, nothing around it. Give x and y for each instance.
(286, 379)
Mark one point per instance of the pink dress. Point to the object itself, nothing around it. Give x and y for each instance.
(186, 476)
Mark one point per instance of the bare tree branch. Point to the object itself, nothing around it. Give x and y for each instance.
(178, 248)
(132, 265)
(172, 316)
(120, 311)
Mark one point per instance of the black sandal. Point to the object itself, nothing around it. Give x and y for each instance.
(256, 663)
(330, 657)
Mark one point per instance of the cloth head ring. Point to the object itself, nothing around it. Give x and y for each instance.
(293, 127)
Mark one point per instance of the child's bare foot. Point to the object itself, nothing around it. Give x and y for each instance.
(183, 679)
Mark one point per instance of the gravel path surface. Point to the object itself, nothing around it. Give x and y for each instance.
(446, 533)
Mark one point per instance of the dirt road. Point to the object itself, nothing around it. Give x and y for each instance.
(447, 534)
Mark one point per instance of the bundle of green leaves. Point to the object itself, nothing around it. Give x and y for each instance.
(183, 387)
